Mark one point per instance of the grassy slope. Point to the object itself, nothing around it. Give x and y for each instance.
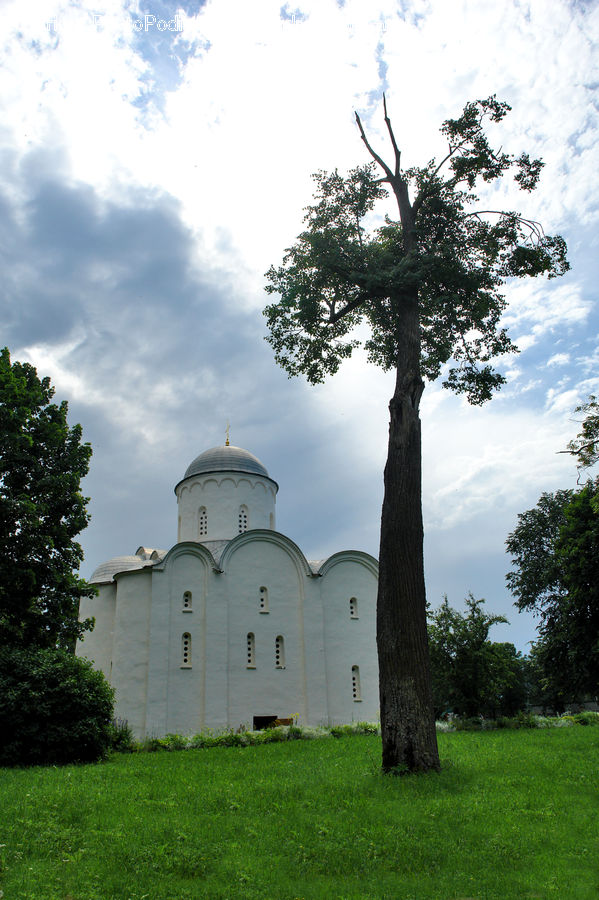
(514, 814)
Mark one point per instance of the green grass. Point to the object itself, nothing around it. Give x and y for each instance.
(513, 814)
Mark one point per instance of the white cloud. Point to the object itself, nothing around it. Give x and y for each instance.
(489, 460)
(541, 308)
(229, 117)
(558, 359)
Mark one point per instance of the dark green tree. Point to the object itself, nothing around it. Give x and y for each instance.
(428, 286)
(555, 574)
(509, 688)
(42, 461)
(472, 675)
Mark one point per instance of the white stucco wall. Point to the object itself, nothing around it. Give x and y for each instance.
(97, 645)
(131, 647)
(350, 641)
(254, 561)
(222, 495)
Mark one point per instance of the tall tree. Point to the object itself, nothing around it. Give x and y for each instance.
(428, 286)
(42, 461)
(555, 556)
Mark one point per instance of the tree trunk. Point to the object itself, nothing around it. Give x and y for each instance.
(406, 708)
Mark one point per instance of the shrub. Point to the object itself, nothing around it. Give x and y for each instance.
(341, 730)
(121, 736)
(174, 742)
(54, 708)
(275, 735)
(473, 723)
(231, 739)
(526, 720)
(587, 718)
(366, 728)
(151, 744)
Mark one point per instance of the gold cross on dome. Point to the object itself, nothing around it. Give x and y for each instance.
(227, 434)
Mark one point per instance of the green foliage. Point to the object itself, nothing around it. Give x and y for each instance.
(555, 556)
(521, 720)
(586, 444)
(586, 718)
(122, 740)
(471, 675)
(121, 736)
(444, 249)
(42, 461)
(54, 708)
(535, 580)
(511, 815)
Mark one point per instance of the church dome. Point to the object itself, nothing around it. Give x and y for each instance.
(226, 459)
(225, 491)
(107, 570)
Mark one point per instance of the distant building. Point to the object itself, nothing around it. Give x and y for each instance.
(233, 626)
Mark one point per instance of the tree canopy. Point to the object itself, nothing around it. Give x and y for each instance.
(472, 675)
(555, 574)
(427, 286)
(455, 255)
(585, 446)
(42, 461)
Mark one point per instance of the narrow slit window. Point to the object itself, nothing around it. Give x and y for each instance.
(243, 519)
(353, 607)
(187, 601)
(263, 600)
(186, 651)
(280, 652)
(203, 522)
(355, 683)
(251, 651)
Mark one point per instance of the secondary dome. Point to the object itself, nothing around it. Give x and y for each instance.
(226, 459)
(107, 570)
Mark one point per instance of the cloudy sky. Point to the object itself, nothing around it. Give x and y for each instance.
(156, 158)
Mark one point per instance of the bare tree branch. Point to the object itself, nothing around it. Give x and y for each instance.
(535, 227)
(375, 156)
(396, 149)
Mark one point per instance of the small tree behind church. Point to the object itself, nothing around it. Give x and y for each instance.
(42, 461)
(428, 286)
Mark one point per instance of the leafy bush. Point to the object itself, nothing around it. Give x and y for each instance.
(121, 736)
(151, 744)
(341, 730)
(54, 708)
(366, 728)
(526, 720)
(174, 742)
(587, 718)
(471, 723)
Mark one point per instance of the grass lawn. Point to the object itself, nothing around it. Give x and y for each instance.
(513, 814)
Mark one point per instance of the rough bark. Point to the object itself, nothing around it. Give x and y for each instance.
(407, 720)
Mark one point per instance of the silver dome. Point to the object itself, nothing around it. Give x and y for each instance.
(107, 570)
(226, 459)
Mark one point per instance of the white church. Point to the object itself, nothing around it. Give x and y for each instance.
(233, 627)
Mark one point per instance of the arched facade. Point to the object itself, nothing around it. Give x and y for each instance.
(233, 625)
